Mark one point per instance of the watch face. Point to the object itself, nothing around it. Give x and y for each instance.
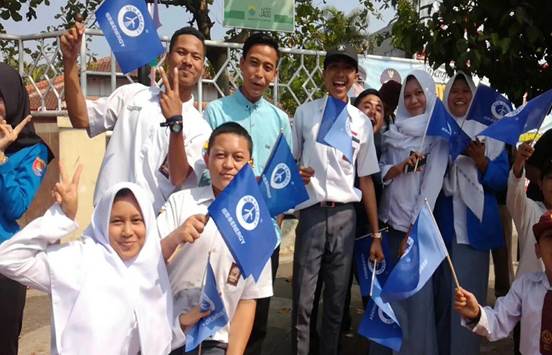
(176, 127)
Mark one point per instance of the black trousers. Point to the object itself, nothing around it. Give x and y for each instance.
(260, 325)
(12, 302)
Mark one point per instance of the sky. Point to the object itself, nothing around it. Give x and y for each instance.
(175, 17)
(172, 18)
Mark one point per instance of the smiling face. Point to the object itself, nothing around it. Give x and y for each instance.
(127, 230)
(459, 97)
(187, 55)
(227, 154)
(339, 76)
(258, 69)
(372, 106)
(414, 97)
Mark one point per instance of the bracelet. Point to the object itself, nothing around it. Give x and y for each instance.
(376, 235)
(172, 120)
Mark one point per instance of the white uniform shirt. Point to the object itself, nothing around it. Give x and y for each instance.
(138, 147)
(405, 195)
(525, 213)
(523, 302)
(187, 266)
(334, 176)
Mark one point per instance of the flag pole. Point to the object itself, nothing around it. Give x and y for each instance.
(373, 276)
(442, 245)
(425, 134)
(384, 229)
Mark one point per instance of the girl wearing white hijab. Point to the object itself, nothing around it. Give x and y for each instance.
(110, 290)
(468, 215)
(404, 194)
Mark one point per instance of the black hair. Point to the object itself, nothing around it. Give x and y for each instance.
(231, 128)
(260, 38)
(187, 31)
(364, 94)
(122, 193)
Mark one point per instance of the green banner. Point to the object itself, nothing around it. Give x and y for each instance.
(266, 15)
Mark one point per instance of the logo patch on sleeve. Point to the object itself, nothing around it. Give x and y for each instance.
(38, 166)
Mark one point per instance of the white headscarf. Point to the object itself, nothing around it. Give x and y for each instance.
(98, 300)
(462, 179)
(407, 132)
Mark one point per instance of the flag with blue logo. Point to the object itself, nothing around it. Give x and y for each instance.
(380, 323)
(130, 32)
(244, 222)
(217, 319)
(364, 266)
(488, 106)
(425, 251)
(281, 184)
(523, 119)
(442, 124)
(335, 128)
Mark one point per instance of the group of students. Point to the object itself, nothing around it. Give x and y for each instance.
(132, 284)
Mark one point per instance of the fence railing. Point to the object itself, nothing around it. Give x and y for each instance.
(38, 59)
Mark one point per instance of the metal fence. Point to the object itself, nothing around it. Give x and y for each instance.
(39, 61)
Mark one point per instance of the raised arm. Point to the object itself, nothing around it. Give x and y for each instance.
(70, 48)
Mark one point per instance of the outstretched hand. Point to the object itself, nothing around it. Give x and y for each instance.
(65, 191)
(9, 134)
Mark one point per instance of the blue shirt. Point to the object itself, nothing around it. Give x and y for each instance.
(20, 178)
(261, 119)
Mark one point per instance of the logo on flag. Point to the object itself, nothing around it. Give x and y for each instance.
(281, 184)
(210, 301)
(131, 21)
(364, 266)
(281, 176)
(426, 250)
(500, 109)
(130, 32)
(247, 211)
(380, 323)
(244, 222)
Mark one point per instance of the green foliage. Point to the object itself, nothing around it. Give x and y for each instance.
(509, 42)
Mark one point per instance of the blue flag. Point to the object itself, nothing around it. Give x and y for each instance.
(488, 106)
(280, 183)
(335, 130)
(425, 251)
(442, 124)
(364, 266)
(130, 32)
(379, 322)
(244, 221)
(521, 120)
(217, 319)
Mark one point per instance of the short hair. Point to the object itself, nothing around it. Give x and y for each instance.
(231, 128)
(188, 30)
(364, 94)
(263, 39)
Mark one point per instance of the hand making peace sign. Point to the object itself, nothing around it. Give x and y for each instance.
(65, 191)
(8, 134)
(170, 102)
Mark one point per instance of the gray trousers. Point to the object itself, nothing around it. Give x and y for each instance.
(472, 269)
(324, 244)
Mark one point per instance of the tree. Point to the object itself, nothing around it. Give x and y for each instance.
(508, 42)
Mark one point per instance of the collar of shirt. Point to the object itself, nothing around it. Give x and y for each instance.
(245, 101)
(540, 278)
(204, 194)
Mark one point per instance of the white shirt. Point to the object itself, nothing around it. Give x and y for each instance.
(405, 194)
(334, 176)
(26, 258)
(523, 302)
(139, 147)
(187, 266)
(525, 213)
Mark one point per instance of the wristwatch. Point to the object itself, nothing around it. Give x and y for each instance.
(174, 123)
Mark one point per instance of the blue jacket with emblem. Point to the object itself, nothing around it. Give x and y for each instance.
(20, 178)
(487, 234)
